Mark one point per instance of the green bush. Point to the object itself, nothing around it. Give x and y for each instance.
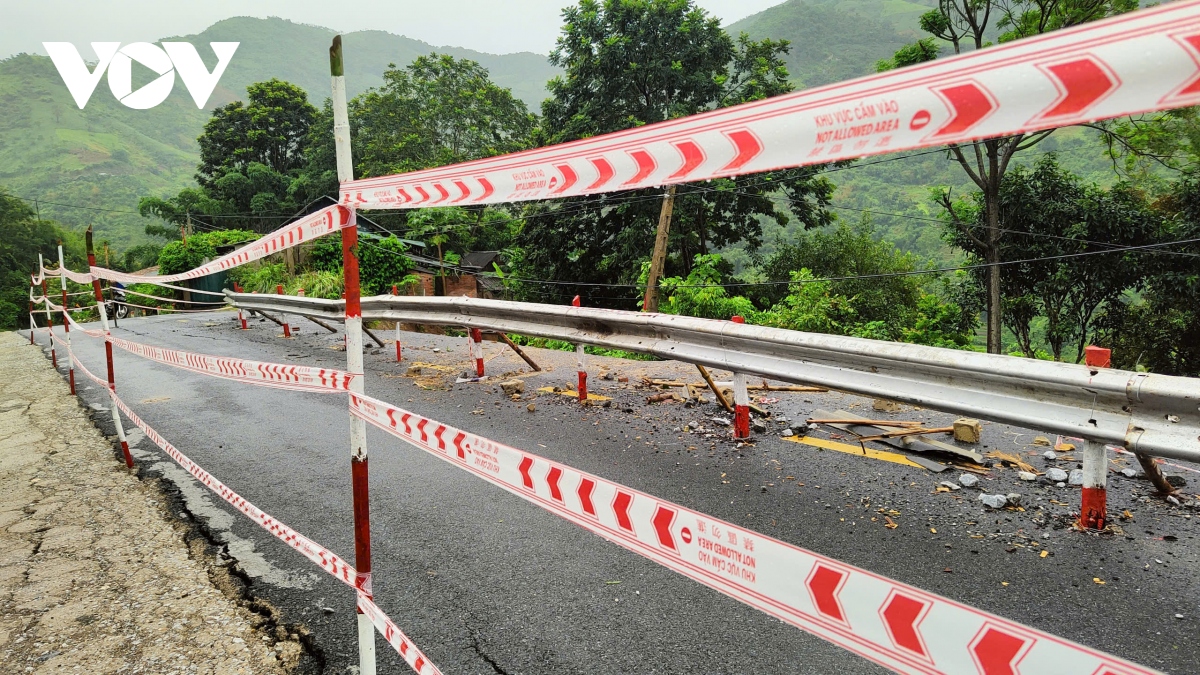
(317, 284)
(178, 256)
(259, 277)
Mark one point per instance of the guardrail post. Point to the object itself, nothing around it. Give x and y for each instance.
(741, 399)
(1094, 496)
(1092, 507)
(398, 357)
(237, 288)
(49, 316)
(65, 320)
(581, 362)
(287, 330)
(354, 362)
(475, 342)
(108, 353)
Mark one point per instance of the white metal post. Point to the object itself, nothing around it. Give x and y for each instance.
(49, 316)
(62, 276)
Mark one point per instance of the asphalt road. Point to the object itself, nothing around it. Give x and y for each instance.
(486, 583)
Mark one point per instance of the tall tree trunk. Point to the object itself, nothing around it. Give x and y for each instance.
(994, 323)
(659, 258)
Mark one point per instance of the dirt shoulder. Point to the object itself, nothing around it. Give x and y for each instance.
(93, 573)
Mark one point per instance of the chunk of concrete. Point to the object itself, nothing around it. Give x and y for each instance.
(1076, 477)
(968, 480)
(967, 430)
(1056, 475)
(993, 501)
(511, 387)
(1013, 498)
(1026, 476)
(885, 405)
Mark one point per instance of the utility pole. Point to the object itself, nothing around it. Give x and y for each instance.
(658, 259)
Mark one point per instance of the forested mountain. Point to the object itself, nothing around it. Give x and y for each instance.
(107, 156)
(835, 40)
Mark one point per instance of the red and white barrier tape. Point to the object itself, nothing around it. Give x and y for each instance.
(893, 624)
(396, 638)
(155, 297)
(1143, 61)
(170, 309)
(80, 366)
(96, 333)
(323, 557)
(275, 375)
(77, 277)
(325, 221)
(58, 308)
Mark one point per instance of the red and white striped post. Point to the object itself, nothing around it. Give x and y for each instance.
(66, 323)
(108, 353)
(741, 400)
(1093, 505)
(354, 362)
(241, 317)
(581, 362)
(49, 316)
(398, 357)
(287, 330)
(475, 342)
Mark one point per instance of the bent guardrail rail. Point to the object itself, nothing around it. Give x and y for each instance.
(1144, 412)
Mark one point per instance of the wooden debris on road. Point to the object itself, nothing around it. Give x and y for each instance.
(910, 431)
(1013, 460)
(878, 423)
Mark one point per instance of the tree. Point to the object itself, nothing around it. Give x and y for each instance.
(629, 63)
(965, 25)
(438, 110)
(1159, 330)
(1049, 213)
(250, 155)
(22, 237)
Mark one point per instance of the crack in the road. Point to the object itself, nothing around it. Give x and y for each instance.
(478, 649)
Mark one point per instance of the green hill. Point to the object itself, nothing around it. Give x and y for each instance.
(835, 40)
(106, 156)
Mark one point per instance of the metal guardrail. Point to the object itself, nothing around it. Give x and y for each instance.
(1147, 413)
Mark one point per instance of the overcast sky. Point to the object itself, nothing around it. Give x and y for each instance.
(496, 26)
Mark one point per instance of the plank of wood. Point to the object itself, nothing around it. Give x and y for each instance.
(877, 423)
(906, 432)
(870, 453)
(713, 385)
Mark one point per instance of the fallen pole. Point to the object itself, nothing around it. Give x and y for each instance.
(713, 385)
(525, 357)
(368, 332)
(322, 324)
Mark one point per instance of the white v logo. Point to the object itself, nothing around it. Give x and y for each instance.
(74, 71)
(199, 82)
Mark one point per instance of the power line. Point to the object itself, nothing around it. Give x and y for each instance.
(882, 275)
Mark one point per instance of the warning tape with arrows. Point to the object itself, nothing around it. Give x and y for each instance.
(893, 624)
(1139, 62)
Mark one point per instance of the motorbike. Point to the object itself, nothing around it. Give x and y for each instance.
(115, 307)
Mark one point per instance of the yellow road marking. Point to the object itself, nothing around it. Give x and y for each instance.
(854, 450)
(573, 394)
